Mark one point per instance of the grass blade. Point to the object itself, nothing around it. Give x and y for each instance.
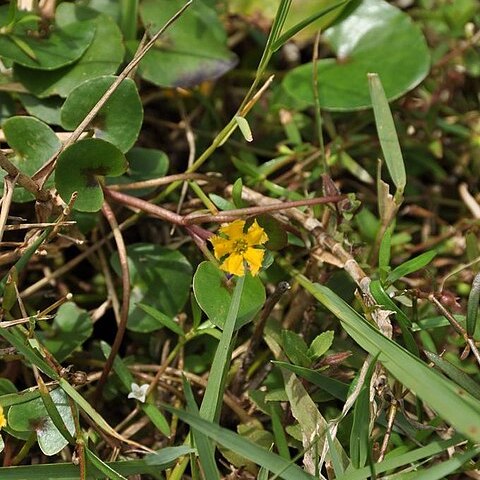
(150, 464)
(206, 450)
(457, 375)
(472, 308)
(453, 404)
(387, 133)
(212, 400)
(228, 439)
(412, 265)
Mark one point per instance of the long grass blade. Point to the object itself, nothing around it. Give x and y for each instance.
(453, 403)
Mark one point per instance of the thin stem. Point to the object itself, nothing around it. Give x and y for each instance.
(123, 260)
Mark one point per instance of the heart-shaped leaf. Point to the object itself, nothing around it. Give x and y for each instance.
(71, 327)
(192, 50)
(371, 36)
(214, 295)
(33, 416)
(62, 46)
(160, 278)
(103, 56)
(33, 143)
(118, 122)
(81, 168)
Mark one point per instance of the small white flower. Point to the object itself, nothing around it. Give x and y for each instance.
(138, 392)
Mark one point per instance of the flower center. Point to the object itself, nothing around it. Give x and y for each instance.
(240, 246)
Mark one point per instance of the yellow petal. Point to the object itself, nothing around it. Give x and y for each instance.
(254, 259)
(233, 230)
(221, 246)
(3, 420)
(234, 265)
(256, 235)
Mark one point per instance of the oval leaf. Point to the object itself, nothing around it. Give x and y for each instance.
(61, 47)
(33, 416)
(370, 36)
(103, 56)
(118, 122)
(33, 143)
(194, 48)
(80, 168)
(214, 297)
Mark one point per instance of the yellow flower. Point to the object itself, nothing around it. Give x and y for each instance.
(239, 247)
(3, 420)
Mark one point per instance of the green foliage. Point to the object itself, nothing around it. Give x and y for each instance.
(81, 168)
(213, 293)
(193, 51)
(32, 416)
(119, 120)
(388, 38)
(160, 278)
(372, 341)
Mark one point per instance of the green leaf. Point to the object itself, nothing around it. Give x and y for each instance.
(193, 49)
(143, 164)
(160, 278)
(387, 38)
(451, 402)
(295, 348)
(103, 56)
(150, 464)
(277, 235)
(412, 265)
(102, 466)
(205, 446)
(32, 416)
(457, 375)
(33, 143)
(71, 327)
(320, 344)
(334, 387)
(62, 46)
(472, 307)
(359, 435)
(386, 133)
(244, 127)
(228, 439)
(284, 37)
(81, 168)
(162, 319)
(45, 109)
(119, 120)
(213, 295)
(213, 396)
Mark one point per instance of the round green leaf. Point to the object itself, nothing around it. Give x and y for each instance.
(71, 327)
(33, 416)
(103, 56)
(191, 51)
(33, 143)
(214, 295)
(62, 46)
(370, 37)
(81, 167)
(143, 164)
(160, 278)
(118, 122)
(45, 109)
